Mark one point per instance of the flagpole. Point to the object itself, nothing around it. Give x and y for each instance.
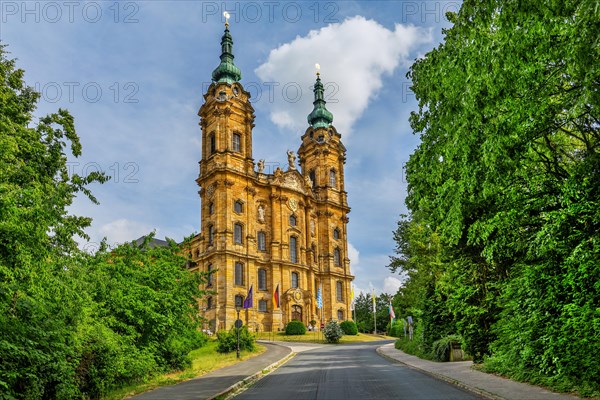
(374, 311)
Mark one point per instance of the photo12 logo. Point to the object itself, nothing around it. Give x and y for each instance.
(271, 11)
(90, 92)
(427, 11)
(126, 172)
(53, 12)
(290, 92)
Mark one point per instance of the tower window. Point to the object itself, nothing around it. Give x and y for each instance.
(211, 235)
(294, 280)
(338, 291)
(262, 279)
(238, 207)
(237, 233)
(293, 220)
(262, 306)
(340, 315)
(262, 241)
(313, 177)
(211, 208)
(332, 180)
(209, 278)
(213, 143)
(237, 140)
(293, 249)
(209, 303)
(336, 233)
(336, 257)
(239, 274)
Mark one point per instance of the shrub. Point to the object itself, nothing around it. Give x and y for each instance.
(332, 332)
(295, 328)
(228, 340)
(397, 330)
(441, 348)
(349, 328)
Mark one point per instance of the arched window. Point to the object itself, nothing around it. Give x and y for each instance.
(262, 241)
(313, 248)
(336, 233)
(293, 220)
(209, 278)
(313, 177)
(262, 306)
(332, 180)
(262, 279)
(213, 143)
(237, 140)
(209, 303)
(293, 249)
(339, 294)
(239, 274)
(238, 207)
(294, 280)
(237, 233)
(239, 300)
(211, 235)
(336, 257)
(211, 208)
(340, 315)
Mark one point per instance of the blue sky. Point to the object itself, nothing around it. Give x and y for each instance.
(133, 73)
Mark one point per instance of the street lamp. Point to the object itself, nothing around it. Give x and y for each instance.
(237, 329)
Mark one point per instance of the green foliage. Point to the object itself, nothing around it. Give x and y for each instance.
(295, 328)
(501, 243)
(228, 340)
(349, 328)
(396, 329)
(332, 332)
(75, 325)
(364, 312)
(442, 347)
(415, 346)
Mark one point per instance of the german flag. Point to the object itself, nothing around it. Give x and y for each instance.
(276, 297)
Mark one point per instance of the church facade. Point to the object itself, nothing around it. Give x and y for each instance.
(283, 234)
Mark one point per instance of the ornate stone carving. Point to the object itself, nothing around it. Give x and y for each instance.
(292, 181)
(293, 204)
(291, 160)
(312, 227)
(210, 191)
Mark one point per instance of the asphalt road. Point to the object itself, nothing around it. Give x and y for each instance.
(349, 372)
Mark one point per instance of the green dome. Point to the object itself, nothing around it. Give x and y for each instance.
(320, 117)
(227, 71)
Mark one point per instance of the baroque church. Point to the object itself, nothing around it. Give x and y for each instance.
(281, 235)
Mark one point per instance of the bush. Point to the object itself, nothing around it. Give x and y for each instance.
(349, 328)
(295, 328)
(332, 332)
(397, 330)
(228, 340)
(441, 348)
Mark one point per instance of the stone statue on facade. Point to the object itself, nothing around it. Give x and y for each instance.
(291, 159)
(261, 166)
(261, 213)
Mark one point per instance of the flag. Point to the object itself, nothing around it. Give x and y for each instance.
(373, 298)
(276, 297)
(248, 300)
(319, 299)
(392, 315)
(352, 298)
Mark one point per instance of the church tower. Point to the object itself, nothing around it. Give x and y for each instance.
(278, 237)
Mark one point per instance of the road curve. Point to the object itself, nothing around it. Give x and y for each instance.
(348, 372)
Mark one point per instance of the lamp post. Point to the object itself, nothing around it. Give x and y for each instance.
(237, 329)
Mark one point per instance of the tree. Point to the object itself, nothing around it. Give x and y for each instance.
(505, 176)
(38, 306)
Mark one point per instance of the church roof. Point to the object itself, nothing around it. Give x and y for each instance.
(227, 71)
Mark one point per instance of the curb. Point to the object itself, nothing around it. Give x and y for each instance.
(252, 378)
(444, 378)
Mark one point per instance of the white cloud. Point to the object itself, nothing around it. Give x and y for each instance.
(353, 255)
(123, 230)
(354, 55)
(391, 285)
